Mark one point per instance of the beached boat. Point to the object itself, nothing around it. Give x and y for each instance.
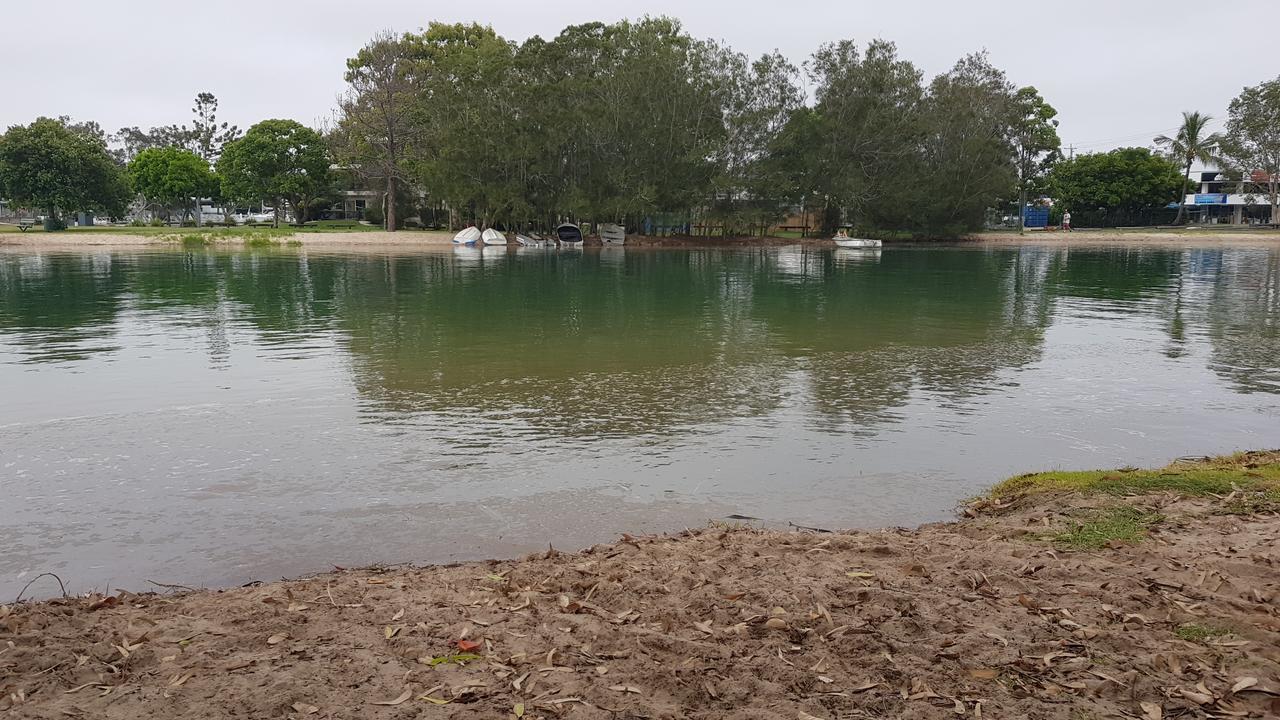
(493, 237)
(611, 234)
(531, 242)
(468, 236)
(848, 242)
(569, 234)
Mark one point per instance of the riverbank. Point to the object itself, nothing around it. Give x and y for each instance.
(1061, 595)
(366, 239)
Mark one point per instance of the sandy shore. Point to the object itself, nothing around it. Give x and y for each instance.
(408, 240)
(990, 617)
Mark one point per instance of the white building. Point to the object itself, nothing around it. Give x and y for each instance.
(1214, 199)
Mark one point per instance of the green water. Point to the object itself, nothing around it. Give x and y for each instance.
(217, 416)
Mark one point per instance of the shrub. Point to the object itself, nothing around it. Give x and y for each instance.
(137, 222)
(156, 222)
(373, 215)
(53, 224)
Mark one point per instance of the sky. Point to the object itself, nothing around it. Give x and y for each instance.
(1118, 71)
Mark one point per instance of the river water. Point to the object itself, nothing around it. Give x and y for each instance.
(213, 417)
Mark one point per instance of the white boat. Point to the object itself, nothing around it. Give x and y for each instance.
(467, 237)
(611, 234)
(569, 234)
(526, 241)
(848, 242)
(493, 237)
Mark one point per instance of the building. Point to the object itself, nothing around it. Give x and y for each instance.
(1217, 199)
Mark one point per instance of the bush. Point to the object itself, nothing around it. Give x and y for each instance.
(188, 223)
(156, 222)
(137, 222)
(412, 223)
(229, 220)
(53, 224)
(373, 215)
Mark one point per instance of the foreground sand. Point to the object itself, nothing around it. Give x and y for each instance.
(987, 617)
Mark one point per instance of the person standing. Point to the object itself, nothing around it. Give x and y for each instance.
(1066, 222)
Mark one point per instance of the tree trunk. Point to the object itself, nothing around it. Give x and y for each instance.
(1022, 209)
(275, 214)
(389, 217)
(1182, 206)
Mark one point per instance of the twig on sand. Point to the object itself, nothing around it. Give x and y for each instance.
(52, 575)
(168, 586)
(810, 529)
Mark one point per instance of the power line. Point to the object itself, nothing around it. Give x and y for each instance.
(1136, 136)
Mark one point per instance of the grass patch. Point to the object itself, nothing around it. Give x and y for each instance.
(259, 241)
(1253, 472)
(1194, 632)
(1102, 527)
(195, 241)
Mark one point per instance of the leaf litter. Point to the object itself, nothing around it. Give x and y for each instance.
(981, 618)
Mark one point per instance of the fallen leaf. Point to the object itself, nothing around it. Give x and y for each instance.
(1152, 711)
(468, 645)
(408, 693)
(1244, 683)
(625, 688)
(296, 607)
(864, 687)
(704, 626)
(776, 624)
(305, 709)
(984, 673)
(806, 716)
(519, 710)
(391, 631)
(860, 574)
(435, 700)
(398, 615)
(277, 639)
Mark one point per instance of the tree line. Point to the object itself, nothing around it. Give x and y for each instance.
(631, 121)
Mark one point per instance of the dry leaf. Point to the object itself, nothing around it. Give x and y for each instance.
(1244, 683)
(398, 615)
(860, 574)
(776, 624)
(519, 710)
(305, 709)
(277, 639)
(296, 607)
(391, 631)
(1152, 711)
(806, 716)
(408, 693)
(704, 626)
(984, 673)
(625, 688)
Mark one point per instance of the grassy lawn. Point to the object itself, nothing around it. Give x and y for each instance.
(315, 226)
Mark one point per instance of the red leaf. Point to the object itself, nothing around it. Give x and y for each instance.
(467, 645)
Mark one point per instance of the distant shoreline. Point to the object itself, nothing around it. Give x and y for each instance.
(410, 239)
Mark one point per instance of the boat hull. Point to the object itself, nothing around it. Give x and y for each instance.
(858, 243)
(468, 236)
(493, 237)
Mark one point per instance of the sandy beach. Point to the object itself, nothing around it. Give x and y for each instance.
(1033, 605)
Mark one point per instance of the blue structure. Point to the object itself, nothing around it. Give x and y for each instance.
(1035, 216)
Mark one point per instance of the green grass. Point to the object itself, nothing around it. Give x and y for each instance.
(1192, 632)
(315, 226)
(1257, 474)
(1102, 527)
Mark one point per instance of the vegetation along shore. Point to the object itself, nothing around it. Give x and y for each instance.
(1124, 593)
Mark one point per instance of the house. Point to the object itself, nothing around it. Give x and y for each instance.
(1216, 198)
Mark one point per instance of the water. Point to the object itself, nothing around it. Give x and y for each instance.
(216, 417)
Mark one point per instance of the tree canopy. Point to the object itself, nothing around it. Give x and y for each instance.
(1127, 186)
(56, 167)
(1252, 142)
(171, 177)
(276, 160)
(1190, 144)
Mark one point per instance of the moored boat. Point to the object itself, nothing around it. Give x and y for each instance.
(469, 236)
(493, 237)
(569, 234)
(612, 234)
(848, 242)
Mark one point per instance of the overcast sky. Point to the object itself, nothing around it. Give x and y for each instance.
(1118, 71)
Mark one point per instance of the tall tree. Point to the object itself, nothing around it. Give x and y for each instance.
(1190, 144)
(1252, 142)
(207, 136)
(276, 160)
(376, 134)
(52, 166)
(1035, 142)
(171, 178)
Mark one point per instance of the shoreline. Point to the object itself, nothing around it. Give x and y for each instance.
(435, 240)
(1141, 593)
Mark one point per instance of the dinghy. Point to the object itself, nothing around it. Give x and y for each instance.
(526, 241)
(467, 237)
(848, 242)
(611, 234)
(493, 237)
(569, 234)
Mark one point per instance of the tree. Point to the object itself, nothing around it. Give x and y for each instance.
(207, 137)
(276, 160)
(1188, 145)
(1122, 187)
(1252, 142)
(171, 177)
(376, 134)
(1035, 142)
(52, 166)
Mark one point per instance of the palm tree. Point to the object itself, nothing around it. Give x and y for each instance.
(1189, 145)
